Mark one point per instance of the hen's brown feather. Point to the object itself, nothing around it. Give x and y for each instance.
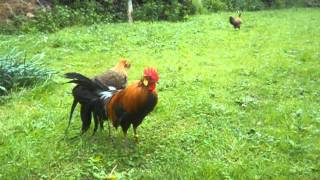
(116, 76)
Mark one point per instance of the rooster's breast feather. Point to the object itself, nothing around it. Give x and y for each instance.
(131, 104)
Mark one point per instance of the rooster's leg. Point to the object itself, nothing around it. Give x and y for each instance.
(109, 128)
(101, 123)
(85, 113)
(125, 139)
(96, 121)
(135, 134)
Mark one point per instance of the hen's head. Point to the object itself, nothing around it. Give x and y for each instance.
(124, 63)
(150, 78)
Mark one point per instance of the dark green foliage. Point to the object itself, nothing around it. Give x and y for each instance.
(60, 17)
(15, 71)
(150, 11)
(312, 3)
(161, 10)
(65, 13)
(143, 9)
(251, 5)
(215, 5)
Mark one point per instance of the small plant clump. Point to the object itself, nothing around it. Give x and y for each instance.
(17, 72)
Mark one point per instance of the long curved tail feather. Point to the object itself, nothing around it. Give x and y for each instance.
(74, 104)
(82, 80)
(90, 93)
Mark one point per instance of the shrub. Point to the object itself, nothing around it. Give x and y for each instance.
(62, 16)
(215, 5)
(149, 11)
(58, 17)
(198, 6)
(312, 3)
(16, 72)
(250, 5)
(283, 3)
(164, 10)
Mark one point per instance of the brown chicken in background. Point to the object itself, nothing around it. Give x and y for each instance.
(122, 107)
(116, 77)
(235, 21)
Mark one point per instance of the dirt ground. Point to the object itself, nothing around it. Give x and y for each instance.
(11, 8)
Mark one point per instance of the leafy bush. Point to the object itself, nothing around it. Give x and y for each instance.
(58, 17)
(178, 9)
(162, 10)
(250, 5)
(62, 16)
(312, 3)
(151, 10)
(16, 72)
(215, 5)
(253, 5)
(283, 3)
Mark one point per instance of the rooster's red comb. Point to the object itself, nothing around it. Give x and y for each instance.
(151, 72)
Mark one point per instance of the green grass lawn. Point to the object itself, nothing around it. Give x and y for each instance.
(232, 104)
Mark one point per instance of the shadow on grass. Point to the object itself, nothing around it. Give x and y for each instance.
(101, 141)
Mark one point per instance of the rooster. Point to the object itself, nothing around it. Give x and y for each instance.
(235, 21)
(115, 77)
(122, 107)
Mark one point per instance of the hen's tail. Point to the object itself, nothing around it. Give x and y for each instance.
(85, 82)
(86, 92)
(231, 20)
(87, 89)
(90, 93)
